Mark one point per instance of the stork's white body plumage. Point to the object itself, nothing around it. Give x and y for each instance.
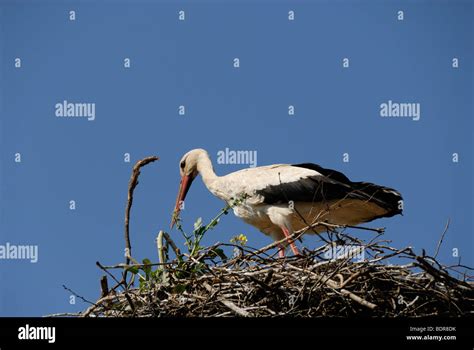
(283, 198)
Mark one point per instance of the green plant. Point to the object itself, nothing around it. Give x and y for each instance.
(193, 241)
(187, 264)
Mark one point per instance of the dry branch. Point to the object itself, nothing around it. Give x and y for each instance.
(131, 187)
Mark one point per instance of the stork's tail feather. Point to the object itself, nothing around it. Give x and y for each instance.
(385, 197)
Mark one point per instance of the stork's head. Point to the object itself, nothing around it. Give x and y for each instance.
(188, 170)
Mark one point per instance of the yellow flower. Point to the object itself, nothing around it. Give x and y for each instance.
(239, 239)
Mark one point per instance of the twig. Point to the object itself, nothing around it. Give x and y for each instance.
(172, 244)
(77, 295)
(97, 303)
(335, 285)
(131, 187)
(103, 268)
(64, 314)
(162, 255)
(104, 286)
(229, 304)
(442, 238)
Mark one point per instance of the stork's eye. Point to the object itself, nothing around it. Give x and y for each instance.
(182, 164)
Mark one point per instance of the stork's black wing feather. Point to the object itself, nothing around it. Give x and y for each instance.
(329, 173)
(330, 185)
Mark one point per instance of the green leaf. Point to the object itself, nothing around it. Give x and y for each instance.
(155, 274)
(217, 252)
(132, 269)
(197, 224)
(200, 231)
(142, 284)
(220, 253)
(198, 268)
(147, 267)
(213, 223)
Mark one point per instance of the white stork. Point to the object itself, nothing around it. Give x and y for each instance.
(282, 198)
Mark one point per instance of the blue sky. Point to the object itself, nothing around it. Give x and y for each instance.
(190, 63)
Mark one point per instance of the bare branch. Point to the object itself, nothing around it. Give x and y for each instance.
(131, 187)
(442, 238)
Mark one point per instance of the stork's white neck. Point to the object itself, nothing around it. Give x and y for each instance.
(205, 168)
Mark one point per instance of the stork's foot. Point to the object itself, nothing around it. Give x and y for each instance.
(293, 246)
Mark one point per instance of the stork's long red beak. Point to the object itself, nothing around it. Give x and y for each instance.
(184, 186)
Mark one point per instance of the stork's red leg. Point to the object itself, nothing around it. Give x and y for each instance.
(281, 251)
(293, 246)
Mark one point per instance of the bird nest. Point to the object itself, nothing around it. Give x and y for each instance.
(343, 277)
(255, 284)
